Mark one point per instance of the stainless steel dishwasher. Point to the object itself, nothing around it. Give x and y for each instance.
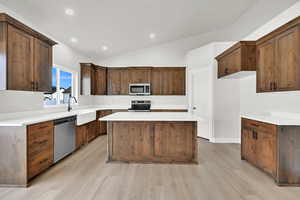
(64, 137)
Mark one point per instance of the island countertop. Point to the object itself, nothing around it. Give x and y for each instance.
(151, 116)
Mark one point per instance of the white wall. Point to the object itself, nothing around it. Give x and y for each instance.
(156, 101)
(17, 101)
(224, 103)
(251, 102)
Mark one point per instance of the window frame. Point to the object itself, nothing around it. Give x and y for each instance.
(74, 83)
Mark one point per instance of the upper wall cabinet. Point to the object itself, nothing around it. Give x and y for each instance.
(278, 59)
(117, 81)
(238, 60)
(168, 81)
(93, 79)
(26, 57)
(139, 74)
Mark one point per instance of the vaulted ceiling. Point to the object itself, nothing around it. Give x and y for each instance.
(125, 26)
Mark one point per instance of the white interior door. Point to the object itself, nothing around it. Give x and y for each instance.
(201, 100)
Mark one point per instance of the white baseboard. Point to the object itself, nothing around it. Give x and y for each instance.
(226, 140)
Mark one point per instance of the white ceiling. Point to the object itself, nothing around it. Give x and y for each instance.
(125, 25)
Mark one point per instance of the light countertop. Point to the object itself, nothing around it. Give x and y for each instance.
(83, 114)
(150, 116)
(276, 118)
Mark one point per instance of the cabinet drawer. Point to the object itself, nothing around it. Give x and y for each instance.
(40, 126)
(39, 164)
(259, 126)
(42, 144)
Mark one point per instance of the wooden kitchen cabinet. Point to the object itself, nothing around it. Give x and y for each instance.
(174, 141)
(92, 131)
(139, 74)
(39, 147)
(168, 81)
(278, 59)
(92, 79)
(272, 148)
(117, 81)
(43, 66)
(127, 148)
(103, 124)
(81, 135)
(239, 58)
(26, 57)
(152, 141)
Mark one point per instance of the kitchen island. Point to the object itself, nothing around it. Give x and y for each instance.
(147, 137)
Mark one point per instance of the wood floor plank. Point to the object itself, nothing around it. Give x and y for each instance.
(220, 175)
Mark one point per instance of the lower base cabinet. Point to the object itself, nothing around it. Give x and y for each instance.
(154, 142)
(39, 148)
(273, 149)
(102, 125)
(86, 133)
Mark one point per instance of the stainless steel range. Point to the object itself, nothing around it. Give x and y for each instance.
(140, 106)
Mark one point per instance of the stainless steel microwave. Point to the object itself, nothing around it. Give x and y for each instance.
(141, 89)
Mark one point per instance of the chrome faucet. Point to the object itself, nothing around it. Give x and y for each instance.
(69, 102)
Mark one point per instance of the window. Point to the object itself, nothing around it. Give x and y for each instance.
(63, 85)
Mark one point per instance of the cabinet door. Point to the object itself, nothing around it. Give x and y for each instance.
(139, 75)
(168, 81)
(174, 141)
(19, 60)
(100, 81)
(103, 124)
(117, 81)
(81, 135)
(266, 151)
(87, 77)
(42, 66)
(287, 60)
(92, 131)
(248, 145)
(266, 66)
(127, 148)
(234, 62)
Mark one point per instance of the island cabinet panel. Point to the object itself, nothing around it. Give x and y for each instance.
(273, 149)
(174, 141)
(117, 81)
(157, 142)
(238, 58)
(168, 81)
(139, 74)
(278, 59)
(132, 142)
(39, 147)
(26, 57)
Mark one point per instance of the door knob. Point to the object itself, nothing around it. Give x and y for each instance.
(194, 108)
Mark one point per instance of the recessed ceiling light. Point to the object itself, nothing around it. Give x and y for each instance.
(74, 40)
(152, 36)
(69, 12)
(104, 48)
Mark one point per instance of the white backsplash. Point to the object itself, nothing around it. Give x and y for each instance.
(156, 101)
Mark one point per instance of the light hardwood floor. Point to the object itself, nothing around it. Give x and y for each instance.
(220, 175)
